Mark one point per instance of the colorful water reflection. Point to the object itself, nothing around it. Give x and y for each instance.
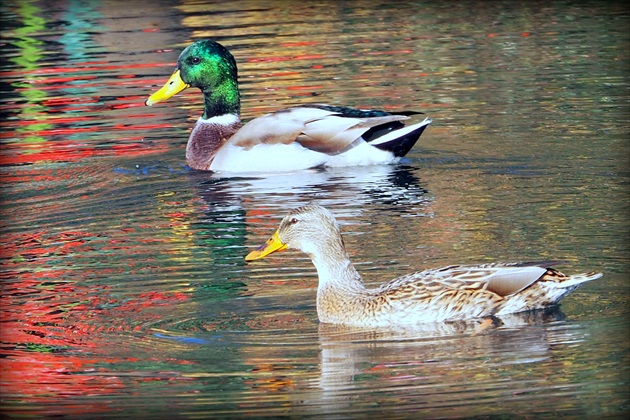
(124, 289)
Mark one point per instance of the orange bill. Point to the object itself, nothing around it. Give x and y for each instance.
(272, 245)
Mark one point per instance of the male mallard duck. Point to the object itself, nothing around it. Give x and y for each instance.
(298, 137)
(435, 295)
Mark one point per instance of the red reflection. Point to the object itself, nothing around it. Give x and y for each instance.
(85, 67)
(53, 113)
(54, 376)
(18, 154)
(54, 329)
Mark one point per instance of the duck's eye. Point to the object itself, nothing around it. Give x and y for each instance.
(293, 221)
(195, 60)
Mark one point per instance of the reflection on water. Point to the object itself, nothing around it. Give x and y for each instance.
(427, 357)
(124, 286)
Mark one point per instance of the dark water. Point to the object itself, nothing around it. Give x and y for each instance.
(124, 288)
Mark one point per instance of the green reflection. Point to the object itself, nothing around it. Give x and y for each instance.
(27, 60)
(78, 38)
(78, 43)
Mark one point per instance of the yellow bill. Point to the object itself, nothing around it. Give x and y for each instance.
(173, 86)
(272, 245)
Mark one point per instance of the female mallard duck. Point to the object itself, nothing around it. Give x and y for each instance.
(443, 294)
(294, 138)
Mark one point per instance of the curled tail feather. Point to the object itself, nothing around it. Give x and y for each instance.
(577, 279)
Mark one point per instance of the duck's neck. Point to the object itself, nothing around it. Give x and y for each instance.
(219, 122)
(339, 274)
(339, 284)
(222, 99)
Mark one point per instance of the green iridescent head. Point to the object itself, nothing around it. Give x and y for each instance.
(207, 65)
(210, 67)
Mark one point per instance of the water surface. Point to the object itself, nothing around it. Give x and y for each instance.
(124, 287)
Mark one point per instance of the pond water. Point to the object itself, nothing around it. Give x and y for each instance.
(124, 287)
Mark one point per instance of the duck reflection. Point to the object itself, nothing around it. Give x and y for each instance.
(388, 185)
(351, 358)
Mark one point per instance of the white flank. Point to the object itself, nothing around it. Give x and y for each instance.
(281, 157)
(266, 158)
(361, 155)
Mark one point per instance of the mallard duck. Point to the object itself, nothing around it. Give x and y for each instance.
(298, 137)
(456, 292)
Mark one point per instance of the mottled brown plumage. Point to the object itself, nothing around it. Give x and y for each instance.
(450, 293)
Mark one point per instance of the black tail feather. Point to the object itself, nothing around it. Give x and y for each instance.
(400, 146)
